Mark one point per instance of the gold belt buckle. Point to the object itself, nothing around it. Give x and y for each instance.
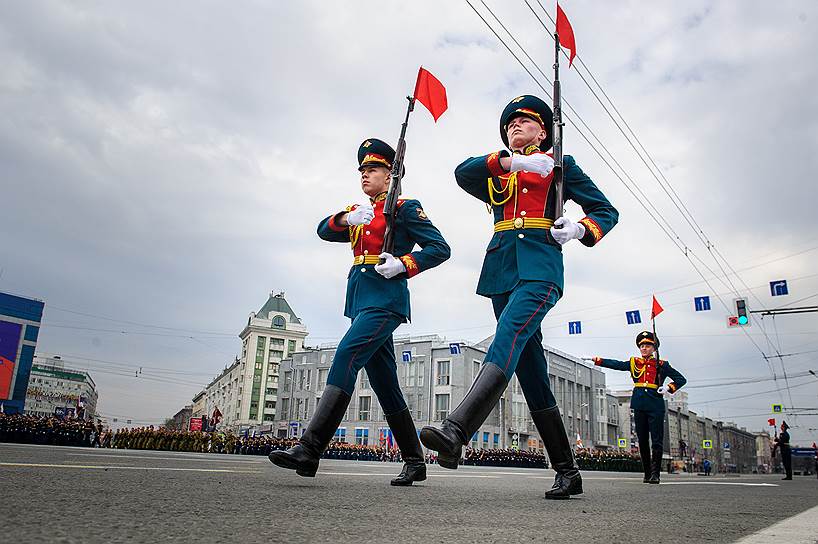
(518, 222)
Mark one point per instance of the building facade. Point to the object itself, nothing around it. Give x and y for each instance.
(19, 329)
(246, 391)
(764, 449)
(180, 420)
(55, 388)
(435, 375)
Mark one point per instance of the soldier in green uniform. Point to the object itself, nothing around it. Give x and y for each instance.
(523, 276)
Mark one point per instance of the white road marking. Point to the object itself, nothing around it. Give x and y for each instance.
(748, 484)
(120, 467)
(177, 458)
(799, 529)
(330, 473)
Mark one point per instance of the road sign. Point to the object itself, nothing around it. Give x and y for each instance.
(454, 348)
(778, 408)
(702, 304)
(575, 327)
(732, 321)
(623, 442)
(707, 444)
(407, 356)
(779, 288)
(633, 317)
(726, 446)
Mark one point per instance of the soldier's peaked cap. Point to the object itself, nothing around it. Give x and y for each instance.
(647, 337)
(533, 108)
(374, 152)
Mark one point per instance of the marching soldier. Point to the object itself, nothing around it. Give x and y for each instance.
(782, 442)
(523, 275)
(647, 401)
(377, 301)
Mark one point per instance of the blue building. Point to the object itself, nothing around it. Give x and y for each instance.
(19, 328)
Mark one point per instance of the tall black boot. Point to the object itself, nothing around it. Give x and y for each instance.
(655, 465)
(414, 465)
(304, 457)
(568, 480)
(644, 453)
(463, 421)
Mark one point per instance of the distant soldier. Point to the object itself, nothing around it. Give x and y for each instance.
(647, 401)
(782, 442)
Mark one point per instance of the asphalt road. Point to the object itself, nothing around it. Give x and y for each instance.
(62, 494)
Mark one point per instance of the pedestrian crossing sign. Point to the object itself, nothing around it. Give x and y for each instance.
(623, 442)
(707, 444)
(778, 408)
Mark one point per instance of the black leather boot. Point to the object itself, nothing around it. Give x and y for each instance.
(463, 421)
(655, 466)
(644, 453)
(568, 480)
(414, 465)
(304, 457)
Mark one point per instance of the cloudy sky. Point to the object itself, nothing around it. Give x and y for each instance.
(165, 166)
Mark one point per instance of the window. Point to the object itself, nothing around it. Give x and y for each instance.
(341, 434)
(290, 346)
(273, 368)
(322, 378)
(300, 380)
(364, 406)
(276, 354)
(288, 380)
(486, 439)
(270, 404)
(496, 440)
(285, 408)
(362, 436)
(443, 373)
(364, 380)
(279, 322)
(308, 379)
(441, 407)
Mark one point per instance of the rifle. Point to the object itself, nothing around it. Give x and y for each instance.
(556, 134)
(390, 205)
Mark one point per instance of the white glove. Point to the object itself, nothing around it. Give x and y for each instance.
(391, 268)
(539, 163)
(569, 230)
(663, 389)
(361, 215)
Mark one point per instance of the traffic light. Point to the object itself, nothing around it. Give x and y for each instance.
(741, 311)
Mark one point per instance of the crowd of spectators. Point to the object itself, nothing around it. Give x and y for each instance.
(78, 432)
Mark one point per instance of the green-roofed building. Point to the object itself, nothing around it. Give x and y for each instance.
(246, 392)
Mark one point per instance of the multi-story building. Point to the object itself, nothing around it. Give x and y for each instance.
(435, 375)
(764, 449)
(246, 391)
(180, 420)
(55, 388)
(19, 328)
(199, 406)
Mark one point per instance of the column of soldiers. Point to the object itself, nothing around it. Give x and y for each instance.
(53, 431)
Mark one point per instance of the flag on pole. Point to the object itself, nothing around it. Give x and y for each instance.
(656, 309)
(217, 416)
(430, 92)
(771, 422)
(566, 34)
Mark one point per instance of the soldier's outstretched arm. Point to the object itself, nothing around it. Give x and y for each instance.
(473, 174)
(612, 363)
(434, 249)
(330, 230)
(600, 215)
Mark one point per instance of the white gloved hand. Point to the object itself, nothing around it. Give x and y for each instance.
(361, 215)
(391, 267)
(569, 230)
(539, 163)
(663, 389)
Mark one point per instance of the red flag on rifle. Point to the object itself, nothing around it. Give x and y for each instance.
(771, 422)
(656, 309)
(566, 34)
(430, 92)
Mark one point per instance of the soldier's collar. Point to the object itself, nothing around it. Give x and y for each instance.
(531, 148)
(378, 197)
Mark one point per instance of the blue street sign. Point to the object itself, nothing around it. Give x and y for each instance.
(726, 446)
(702, 304)
(633, 317)
(407, 356)
(575, 327)
(779, 288)
(454, 348)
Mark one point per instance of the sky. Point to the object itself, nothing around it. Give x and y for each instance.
(165, 167)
